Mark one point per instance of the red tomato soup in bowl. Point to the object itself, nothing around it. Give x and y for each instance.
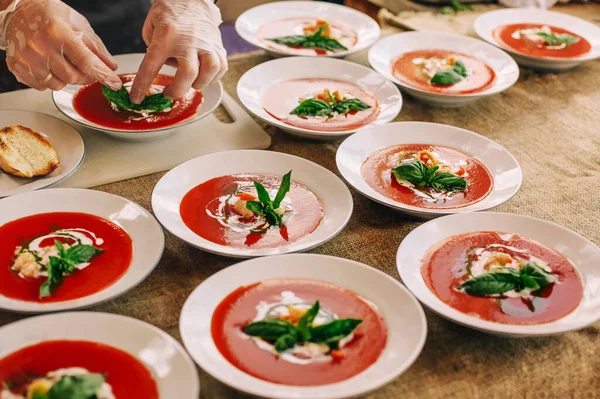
(68, 369)
(502, 278)
(298, 332)
(91, 104)
(427, 176)
(217, 210)
(285, 36)
(444, 72)
(321, 104)
(540, 40)
(53, 257)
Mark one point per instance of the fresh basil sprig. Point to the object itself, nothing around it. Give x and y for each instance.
(455, 75)
(267, 208)
(317, 107)
(553, 39)
(455, 7)
(284, 335)
(154, 103)
(314, 41)
(421, 175)
(83, 386)
(531, 276)
(64, 264)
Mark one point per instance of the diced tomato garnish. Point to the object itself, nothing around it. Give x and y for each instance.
(461, 171)
(246, 196)
(337, 354)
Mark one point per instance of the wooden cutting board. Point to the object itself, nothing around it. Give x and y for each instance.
(109, 160)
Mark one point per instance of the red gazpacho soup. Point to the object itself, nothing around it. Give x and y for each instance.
(427, 176)
(301, 349)
(321, 104)
(221, 210)
(53, 257)
(69, 369)
(91, 104)
(541, 40)
(443, 71)
(503, 278)
(307, 36)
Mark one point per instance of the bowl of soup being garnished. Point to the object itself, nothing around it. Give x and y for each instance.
(92, 355)
(541, 39)
(252, 203)
(502, 273)
(443, 69)
(304, 28)
(318, 98)
(304, 326)
(112, 111)
(428, 170)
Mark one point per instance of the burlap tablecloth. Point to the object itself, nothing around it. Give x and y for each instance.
(550, 123)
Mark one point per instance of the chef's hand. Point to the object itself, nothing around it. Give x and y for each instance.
(49, 45)
(185, 34)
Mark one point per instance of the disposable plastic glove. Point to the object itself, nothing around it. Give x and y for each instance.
(185, 34)
(49, 45)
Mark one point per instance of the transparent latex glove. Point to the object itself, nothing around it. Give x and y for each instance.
(49, 45)
(544, 4)
(184, 34)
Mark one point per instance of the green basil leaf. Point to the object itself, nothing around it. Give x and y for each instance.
(77, 387)
(285, 342)
(333, 101)
(313, 107)
(156, 103)
(118, 97)
(530, 283)
(273, 218)
(39, 395)
(81, 253)
(554, 39)
(305, 322)
(415, 172)
(492, 283)
(55, 277)
(316, 41)
(334, 331)
(263, 194)
(351, 104)
(255, 207)
(61, 249)
(445, 78)
(445, 181)
(283, 189)
(457, 6)
(270, 329)
(532, 271)
(460, 68)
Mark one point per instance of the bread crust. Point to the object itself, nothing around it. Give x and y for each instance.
(5, 165)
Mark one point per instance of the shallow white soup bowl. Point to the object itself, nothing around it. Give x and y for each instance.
(505, 169)
(129, 64)
(248, 24)
(259, 79)
(582, 253)
(66, 141)
(144, 230)
(486, 24)
(331, 191)
(405, 319)
(383, 54)
(170, 366)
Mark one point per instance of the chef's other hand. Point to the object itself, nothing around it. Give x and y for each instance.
(185, 34)
(49, 45)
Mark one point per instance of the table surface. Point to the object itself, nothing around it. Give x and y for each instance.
(549, 122)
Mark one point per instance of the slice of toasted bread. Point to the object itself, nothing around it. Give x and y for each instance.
(25, 153)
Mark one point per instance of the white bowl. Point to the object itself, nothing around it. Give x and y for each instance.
(505, 169)
(407, 327)
(486, 23)
(580, 251)
(256, 81)
(144, 230)
(253, 19)
(167, 361)
(333, 193)
(130, 63)
(383, 54)
(65, 140)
